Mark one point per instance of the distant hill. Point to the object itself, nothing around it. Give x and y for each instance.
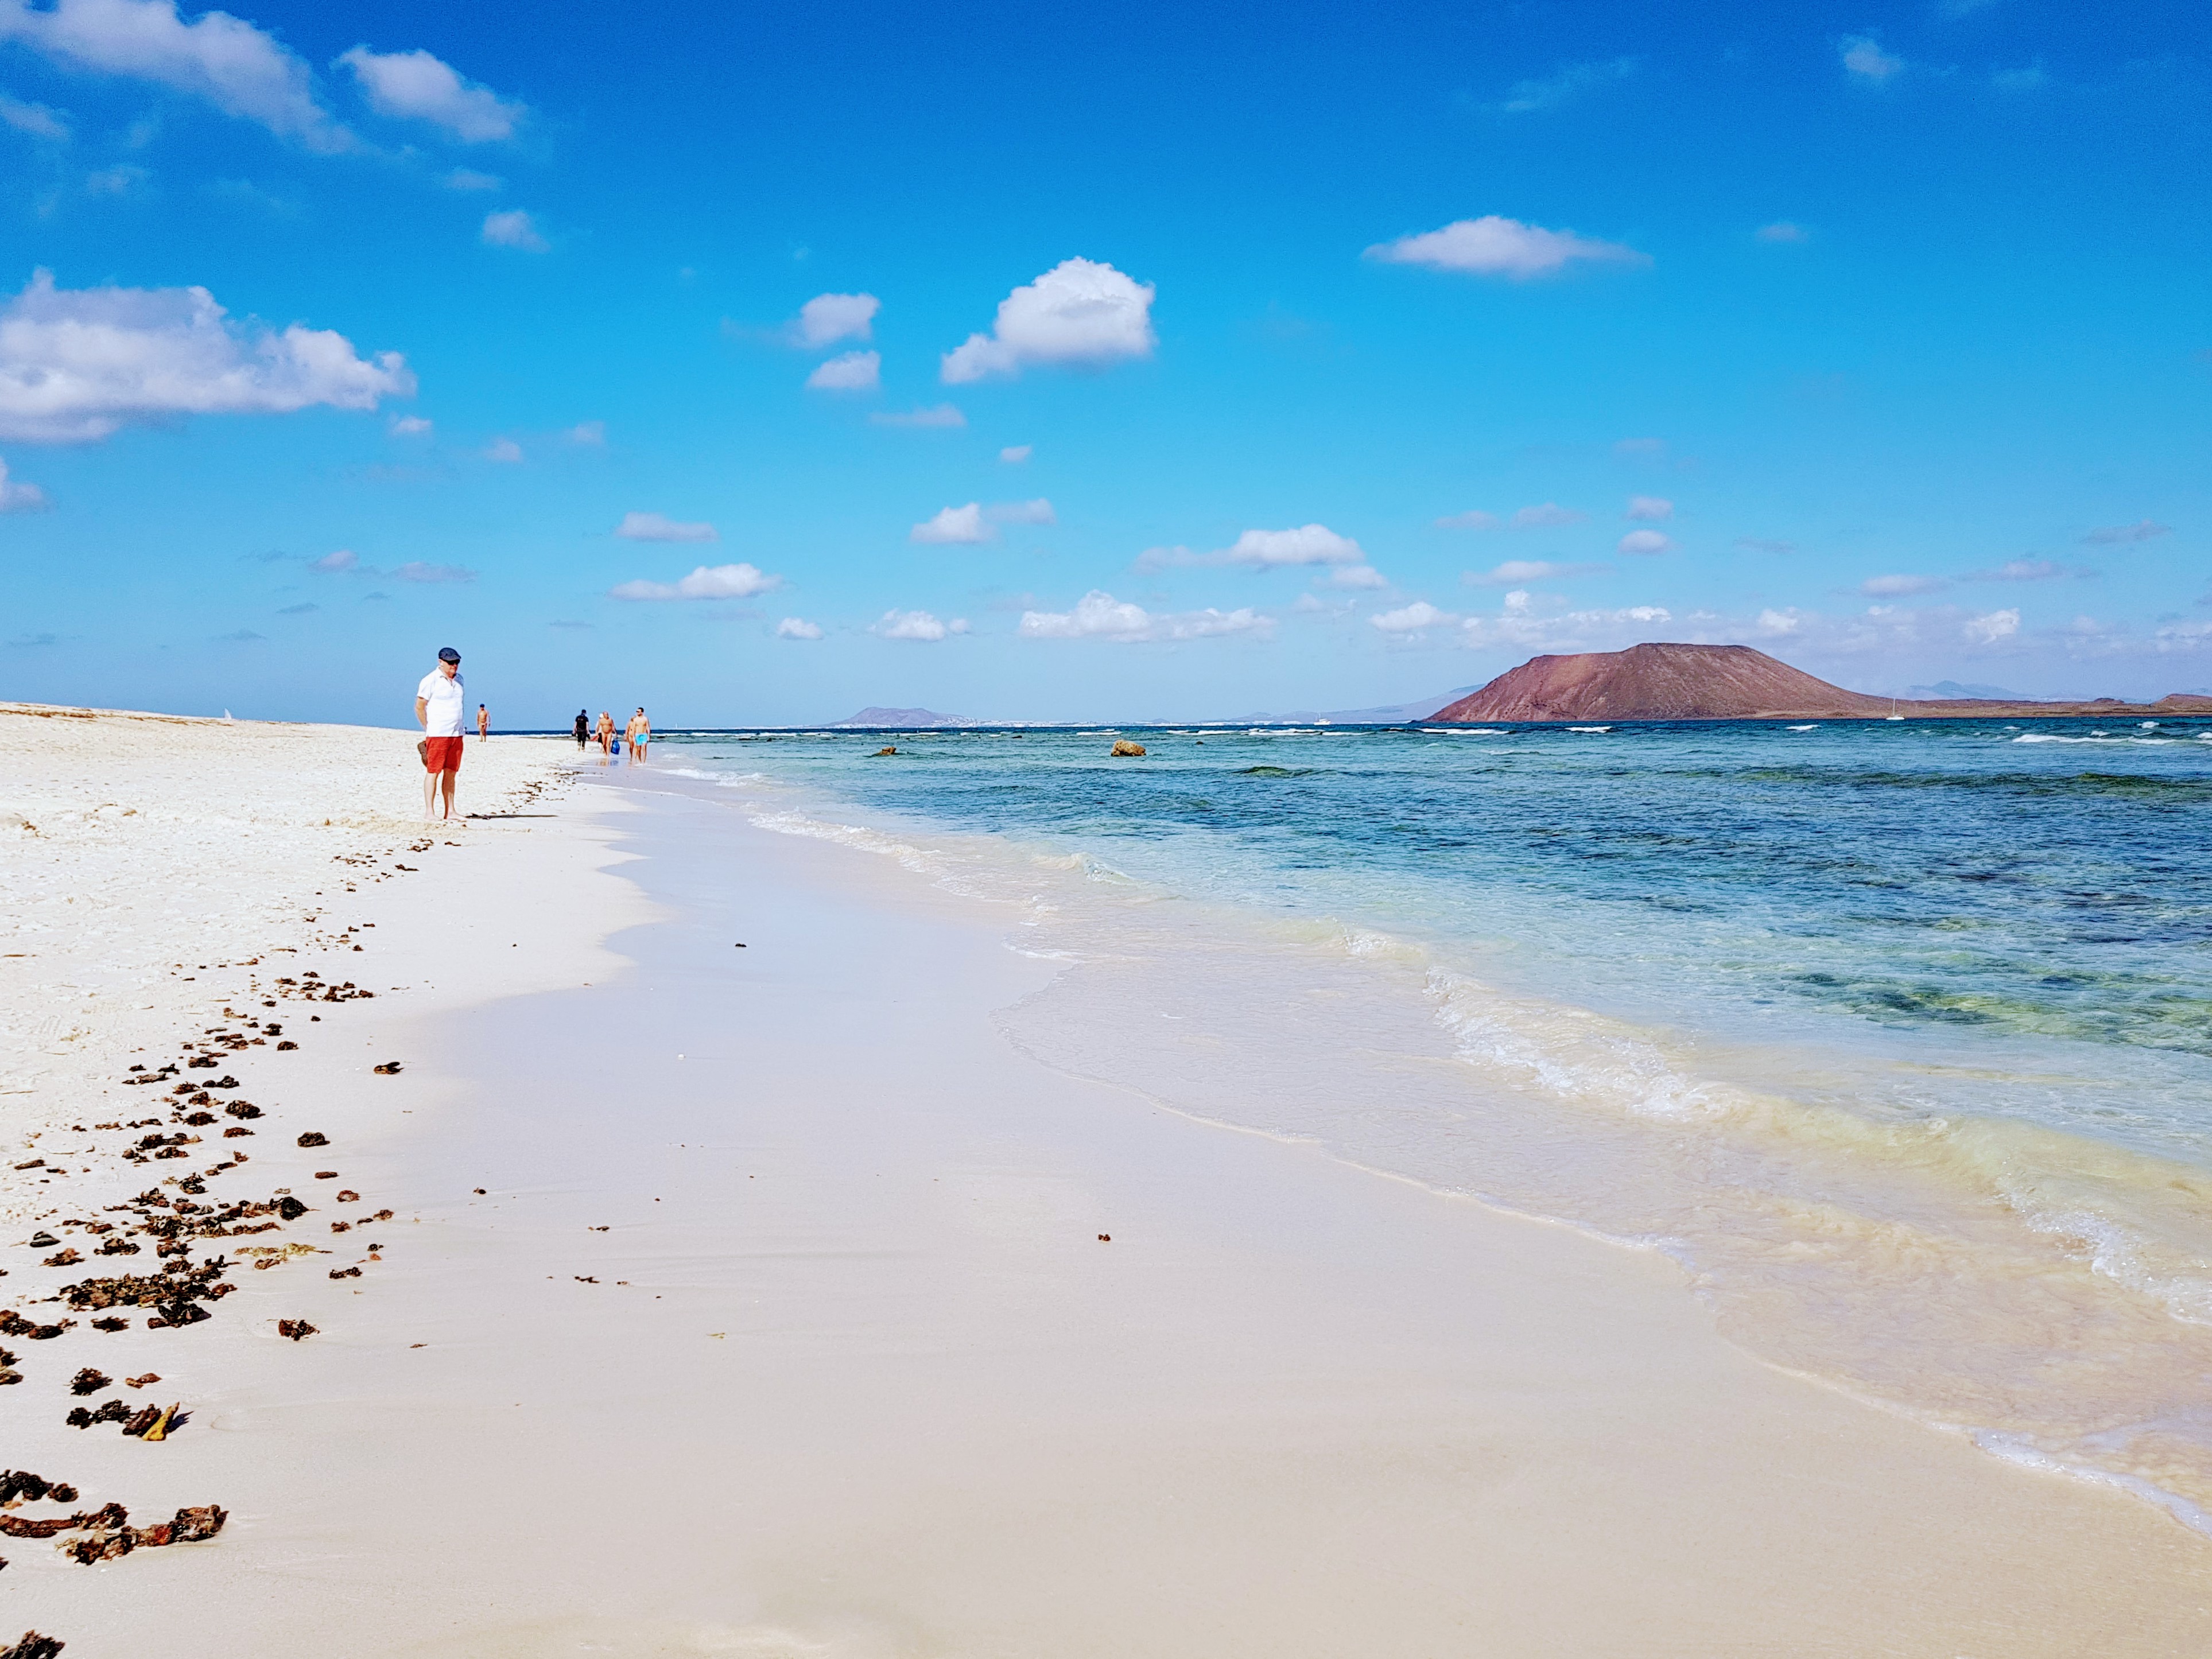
(1952, 690)
(905, 720)
(1660, 682)
(1395, 713)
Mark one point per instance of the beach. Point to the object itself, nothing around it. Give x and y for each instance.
(767, 1273)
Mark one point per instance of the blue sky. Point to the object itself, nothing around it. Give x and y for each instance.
(1171, 361)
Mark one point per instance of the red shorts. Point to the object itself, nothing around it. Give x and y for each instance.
(443, 753)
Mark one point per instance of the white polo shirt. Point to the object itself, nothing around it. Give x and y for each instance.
(448, 704)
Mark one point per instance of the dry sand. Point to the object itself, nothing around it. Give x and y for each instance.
(850, 1370)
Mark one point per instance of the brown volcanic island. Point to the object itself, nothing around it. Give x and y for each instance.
(1725, 682)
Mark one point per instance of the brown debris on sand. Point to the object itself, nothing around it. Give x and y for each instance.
(141, 1382)
(32, 1646)
(313, 1137)
(88, 1381)
(297, 1329)
(390, 1068)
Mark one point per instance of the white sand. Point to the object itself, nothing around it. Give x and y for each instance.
(875, 1387)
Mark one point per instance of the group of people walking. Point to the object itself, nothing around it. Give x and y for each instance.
(638, 734)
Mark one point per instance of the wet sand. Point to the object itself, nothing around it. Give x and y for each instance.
(850, 1370)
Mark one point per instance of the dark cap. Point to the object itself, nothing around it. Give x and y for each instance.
(447, 653)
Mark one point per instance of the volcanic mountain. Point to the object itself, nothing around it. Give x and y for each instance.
(1725, 682)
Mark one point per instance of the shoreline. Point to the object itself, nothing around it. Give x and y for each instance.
(897, 1398)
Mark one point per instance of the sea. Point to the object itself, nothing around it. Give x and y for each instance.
(1897, 1036)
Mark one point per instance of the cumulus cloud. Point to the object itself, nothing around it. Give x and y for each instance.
(1415, 618)
(512, 228)
(505, 451)
(1996, 625)
(1311, 544)
(20, 497)
(410, 426)
(416, 86)
(1355, 576)
(1549, 516)
(592, 434)
(76, 364)
(916, 625)
(852, 370)
(37, 119)
(2026, 570)
(1569, 82)
(718, 582)
(223, 60)
(798, 627)
(1644, 543)
(2120, 534)
(1865, 60)
(1653, 509)
(416, 571)
(657, 527)
(1514, 572)
(1781, 230)
(1892, 587)
(1526, 621)
(829, 318)
(1036, 512)
(1100, 616)
(343, 562)
(1079, 314)
(942, 415)
(1473, 520)
(1496, 246)
(1015, 454)
(954, 526)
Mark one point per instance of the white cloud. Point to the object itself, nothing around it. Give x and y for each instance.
(1514, 572)
(512, 228)
(1355, 576)
(467, 178)
(75, 364)
(1780, 624)
(118, 180)
(828, 318)
(720, 581)
(1079, 313)
(1473, 520)
(1413, 618)
(226, 61)
(416, 86)
(1892, 587)
(853, 371)
(592, 434)
(1557, 89)
(1781, 230)
(505, 451)
(1036, 512)
(1312, 544)
(1527, 622)
(1996, 625)
(942, 415)
(657, 527)
(1496, 246)
(416, 571)
(954, 526)
(1100, 616)
(1865, 60)
(1015, 454)
(1652, 509)
(1644, 542)
(1549, 516)
(2027, 570)
(410, 426)
(916, 625)
(1764, 544)
(798, 627)
(37, 119)
(2115, 535)
(345, 562)
(20, 497)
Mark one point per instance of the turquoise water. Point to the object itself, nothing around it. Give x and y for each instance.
(1898, 1035)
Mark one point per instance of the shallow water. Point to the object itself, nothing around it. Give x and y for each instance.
(1897, 1035)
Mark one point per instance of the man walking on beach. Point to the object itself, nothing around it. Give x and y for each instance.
(639, 733)
(483, 722)
(583, 729)
(440, 708)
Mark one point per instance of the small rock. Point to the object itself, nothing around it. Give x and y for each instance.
(314, 1138)
(1123, 747)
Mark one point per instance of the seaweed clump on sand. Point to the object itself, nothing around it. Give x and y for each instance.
(32, 1646)
(174, 1295)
